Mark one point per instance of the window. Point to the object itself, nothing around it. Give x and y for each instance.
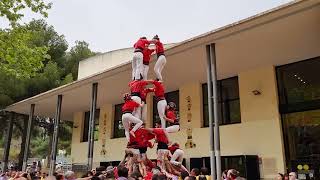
(86, 125)
(229, 102)
(299, 86)
(299, 105)
(118, 130)
(170, 97)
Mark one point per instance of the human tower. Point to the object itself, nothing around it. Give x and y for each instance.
(134, 114)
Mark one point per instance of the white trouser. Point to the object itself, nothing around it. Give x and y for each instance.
(144, 113)
(137, 111)
(137, 65)
(145, 72)
(177, 157)
(128, 118)
(173, 129)
(159, 66)
(162, 105)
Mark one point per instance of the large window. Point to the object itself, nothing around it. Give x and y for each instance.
(170, 97)
(118, 130)
(299, 105)
(299, 86)
(86, 125)
(229, 102)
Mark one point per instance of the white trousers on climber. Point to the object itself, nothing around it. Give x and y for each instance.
(173, 129)
(145, 72)
(158, 67)
(137, 111)
(161, 106)
(127, 119)
(137, 65)
(177, 157)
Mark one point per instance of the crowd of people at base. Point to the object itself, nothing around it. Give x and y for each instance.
(122, 173)
(290, 176)
(119, 173)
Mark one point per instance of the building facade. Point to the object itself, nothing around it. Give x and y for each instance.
(269, 91)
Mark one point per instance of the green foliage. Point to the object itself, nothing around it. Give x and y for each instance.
(11, 9)
(45, 35)
(51, 66)
(67, 79)
(77, 53)
(18, 56)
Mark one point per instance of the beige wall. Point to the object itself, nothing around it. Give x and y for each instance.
(104, 61)
(259, 132)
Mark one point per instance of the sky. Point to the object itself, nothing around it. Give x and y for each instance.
(114, 24)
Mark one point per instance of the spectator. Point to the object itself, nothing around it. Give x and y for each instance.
(59, 177)
(280, 176)
(184, 174)
(99, 170)
(224, 174)
(232, 174)
(136, 175)
(69, 175)
(122, 173)
(292, 176)
(195, 172)
(190, 177)
(159, 177)
(205, 172)
(202, 177)
(89, 174)
(286, 177)
(95, 178)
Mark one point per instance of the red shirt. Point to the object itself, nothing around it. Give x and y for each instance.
(141, 44)
(145, 137)
(160, 135)
(159, 89)
(147, 55)
(129, 106)
(172, 149)
(137, 86)
(172, 115)
(145, 92)
(159, 48)
(135, 141)
(148, 176)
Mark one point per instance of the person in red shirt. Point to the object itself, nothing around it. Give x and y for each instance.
(146, 60)
(144, 110)
(176, 156)
(171, 118)
(163, 141)
(162, 103)
(128, 108)
(137, 60)
(137, 87)
(161, 58)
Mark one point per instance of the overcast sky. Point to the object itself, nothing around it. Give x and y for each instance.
(112, 24)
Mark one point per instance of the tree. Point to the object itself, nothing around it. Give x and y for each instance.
(11, 9)
(77, 53)
(18, 56)
(45, 35)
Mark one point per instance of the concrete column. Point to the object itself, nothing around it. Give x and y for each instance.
(26, 150)
(55, 136)
(8, 142)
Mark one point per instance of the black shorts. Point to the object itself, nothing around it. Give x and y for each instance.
(143, 150)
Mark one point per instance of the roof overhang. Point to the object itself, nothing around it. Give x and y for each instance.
(283, 35)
